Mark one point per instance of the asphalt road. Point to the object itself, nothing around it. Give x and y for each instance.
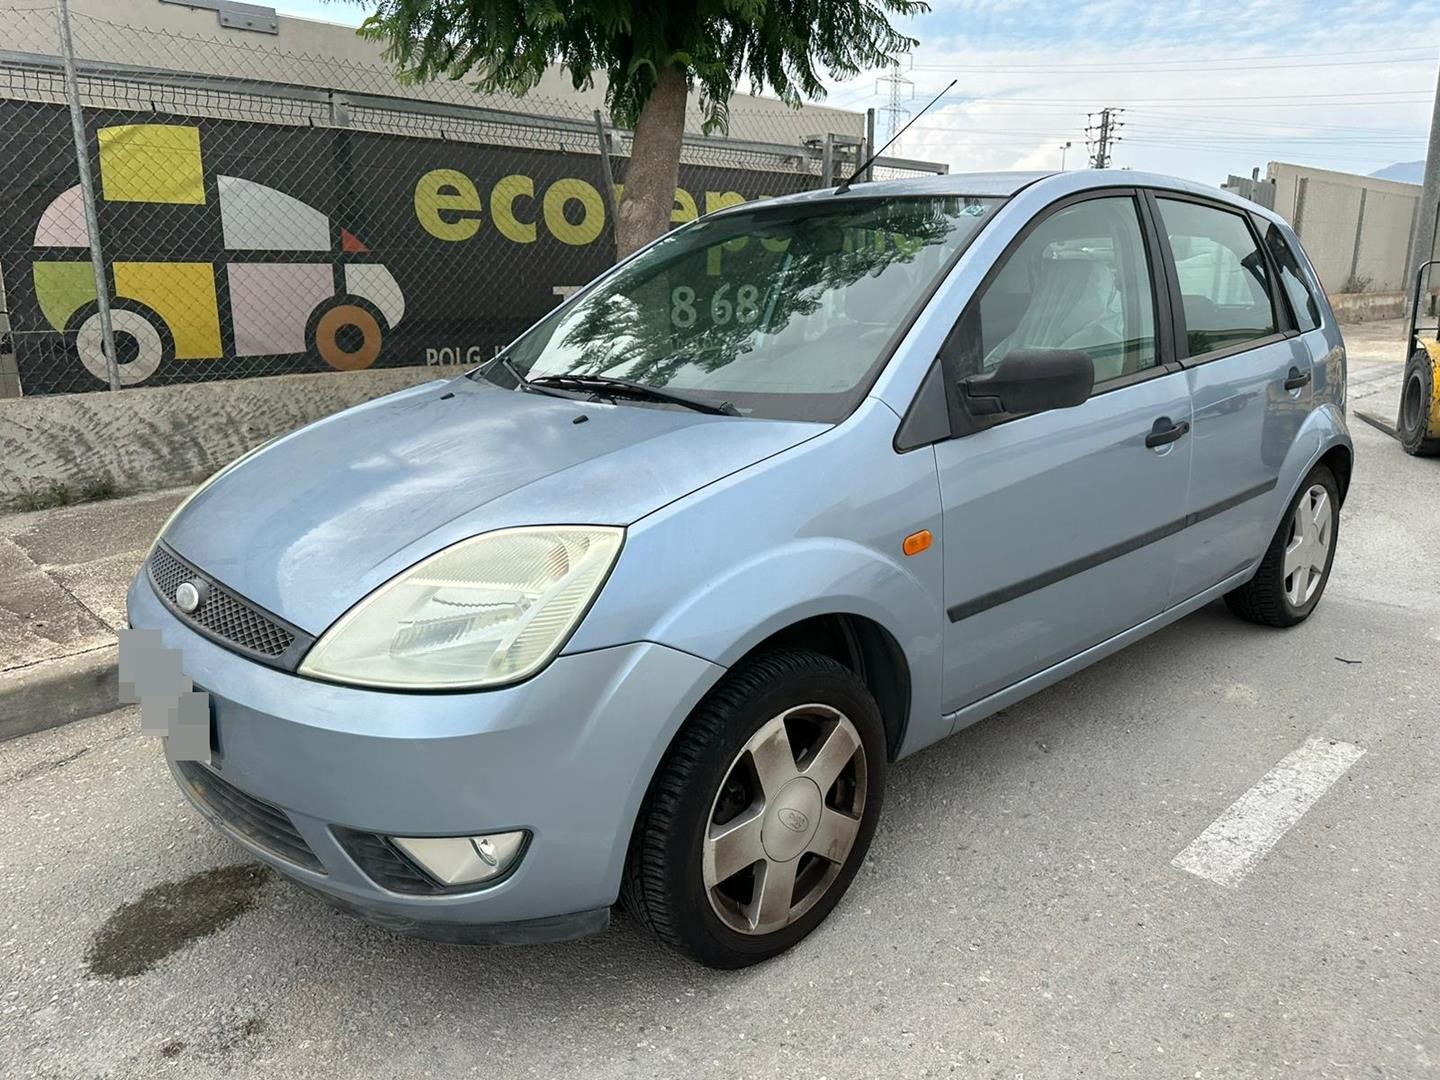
(1018, 917)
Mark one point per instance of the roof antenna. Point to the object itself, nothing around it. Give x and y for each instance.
(845, 184)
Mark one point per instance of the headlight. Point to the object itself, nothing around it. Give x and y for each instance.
(485, 611)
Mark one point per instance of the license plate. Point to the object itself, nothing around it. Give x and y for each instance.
(170, 706)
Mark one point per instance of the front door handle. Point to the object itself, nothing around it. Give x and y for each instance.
(1165, 431)
(1296, 379)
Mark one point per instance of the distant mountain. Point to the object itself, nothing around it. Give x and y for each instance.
(1407, 172)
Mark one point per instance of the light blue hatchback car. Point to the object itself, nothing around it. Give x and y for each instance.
(644, 609)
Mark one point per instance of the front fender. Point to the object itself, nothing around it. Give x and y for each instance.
(815, 530)
(728, 615)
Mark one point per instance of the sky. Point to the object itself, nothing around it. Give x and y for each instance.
(1207, 88)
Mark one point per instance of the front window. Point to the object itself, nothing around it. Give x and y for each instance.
(782, 312)
(1079, 280)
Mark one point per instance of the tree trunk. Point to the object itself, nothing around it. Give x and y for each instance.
(654, 168)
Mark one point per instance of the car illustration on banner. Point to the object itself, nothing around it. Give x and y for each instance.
(283, 303)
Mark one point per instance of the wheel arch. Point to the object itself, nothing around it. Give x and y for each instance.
(867, 649)
(879, 616)
(1340, 459)
(1324, 438)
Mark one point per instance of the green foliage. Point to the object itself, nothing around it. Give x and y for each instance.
(777, 45)
(55, 493)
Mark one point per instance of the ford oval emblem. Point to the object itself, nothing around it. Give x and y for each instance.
(792, 819)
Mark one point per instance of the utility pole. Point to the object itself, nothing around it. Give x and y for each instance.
(87, 195)
(1427, 213)
(1104, 136)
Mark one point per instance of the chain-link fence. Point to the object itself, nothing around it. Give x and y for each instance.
(262, 211)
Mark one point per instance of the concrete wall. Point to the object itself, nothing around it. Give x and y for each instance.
(1356, 229)
(146, 438)
(310, 52)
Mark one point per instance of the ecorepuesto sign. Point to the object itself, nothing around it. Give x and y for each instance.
(235, 249)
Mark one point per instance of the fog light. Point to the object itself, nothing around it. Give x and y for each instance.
(463, 860)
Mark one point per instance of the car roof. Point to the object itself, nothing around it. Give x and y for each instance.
(1003, 185)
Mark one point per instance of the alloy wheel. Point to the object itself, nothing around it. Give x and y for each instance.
(1307, 552)
(785, 819)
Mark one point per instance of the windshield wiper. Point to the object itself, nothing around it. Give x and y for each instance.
(521, 382)
(607, 386)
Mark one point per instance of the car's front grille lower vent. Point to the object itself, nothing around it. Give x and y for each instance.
(387, 867)
(265, 826)
(224, 616)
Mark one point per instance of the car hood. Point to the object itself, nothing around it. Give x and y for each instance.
(318, 519)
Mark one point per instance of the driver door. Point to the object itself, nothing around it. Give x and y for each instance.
(1059, 526)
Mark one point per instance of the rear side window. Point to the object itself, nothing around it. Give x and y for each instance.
(1302, 300)
(1224, 281)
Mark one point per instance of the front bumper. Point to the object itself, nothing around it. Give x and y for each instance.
(566, 755)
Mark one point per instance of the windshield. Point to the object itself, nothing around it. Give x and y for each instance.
(783, 312)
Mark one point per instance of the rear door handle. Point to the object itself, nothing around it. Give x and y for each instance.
(1296, 379)
(1166, 431)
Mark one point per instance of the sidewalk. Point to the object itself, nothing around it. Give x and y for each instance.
(63, 576)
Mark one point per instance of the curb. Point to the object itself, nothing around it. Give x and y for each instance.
(56, 692)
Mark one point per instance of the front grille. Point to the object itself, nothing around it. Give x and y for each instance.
(265, 826)
(387, 867)
(226, 617)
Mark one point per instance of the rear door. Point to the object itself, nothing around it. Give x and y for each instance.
(1058, 526)
(1250, 377)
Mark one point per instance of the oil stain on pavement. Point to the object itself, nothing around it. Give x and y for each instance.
(169, 916)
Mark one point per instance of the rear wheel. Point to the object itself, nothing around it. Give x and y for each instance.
(1296, 566)
(761, 812)
(1417, 405)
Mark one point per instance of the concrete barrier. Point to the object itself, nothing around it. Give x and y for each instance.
(1370, 306)
(146, 438)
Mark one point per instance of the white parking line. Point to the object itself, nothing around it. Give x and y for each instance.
(1239, 838)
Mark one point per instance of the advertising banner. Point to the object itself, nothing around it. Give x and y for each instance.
(236, 249)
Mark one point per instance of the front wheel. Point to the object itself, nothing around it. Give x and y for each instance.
(761, 812)
(1296, 566)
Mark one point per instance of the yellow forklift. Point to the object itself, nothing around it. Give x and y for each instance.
(1418, 426)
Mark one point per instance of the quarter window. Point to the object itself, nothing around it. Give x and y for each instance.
(1080, 280)
(1224, 282)
(1292, 280)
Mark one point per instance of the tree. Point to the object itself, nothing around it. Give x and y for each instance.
(653, 53)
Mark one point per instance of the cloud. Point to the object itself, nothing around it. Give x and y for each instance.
(1206, 90)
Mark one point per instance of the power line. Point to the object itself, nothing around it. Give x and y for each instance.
(1228, 121)
(1142, 68)
(1210, 103)
(1207, 60)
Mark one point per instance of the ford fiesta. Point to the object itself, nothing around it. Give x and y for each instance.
(645, 609)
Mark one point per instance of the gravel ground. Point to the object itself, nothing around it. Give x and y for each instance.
(1018, 916)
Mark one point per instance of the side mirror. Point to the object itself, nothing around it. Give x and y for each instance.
(1030, 381)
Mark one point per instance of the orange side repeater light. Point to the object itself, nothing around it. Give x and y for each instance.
(917, 542)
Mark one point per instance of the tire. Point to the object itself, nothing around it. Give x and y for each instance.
(1417, 405)
(708, 793)
(1273, 597)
